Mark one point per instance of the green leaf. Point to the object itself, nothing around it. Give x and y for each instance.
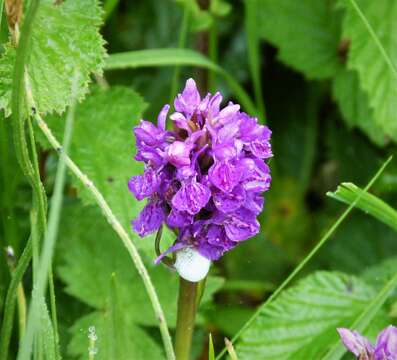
(89, 253)
(364, 319)
(370, 204)
(45, 337)
(372, 53)
(171, 57)
(354, 106)
(65, 37)
(114, 334)
(307, 33)
(103, 147)
(302, 322)
(211, 351)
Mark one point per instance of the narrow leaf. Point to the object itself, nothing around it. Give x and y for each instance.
(369, 203)
(172, 57)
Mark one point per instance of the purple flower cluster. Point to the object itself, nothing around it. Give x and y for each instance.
(205, 177)
(384, 349)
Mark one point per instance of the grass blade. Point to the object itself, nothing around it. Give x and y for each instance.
(178, 57)
(9, 306)
(211, 351)
(308, 257)
(370, 204)
(51, 234)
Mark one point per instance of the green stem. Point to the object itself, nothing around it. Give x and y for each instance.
(187, 305)
(21, 300)
(9, 306)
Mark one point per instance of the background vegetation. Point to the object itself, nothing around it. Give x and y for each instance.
(321, 74)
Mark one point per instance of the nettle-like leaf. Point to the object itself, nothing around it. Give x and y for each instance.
(354, 105)
(302, 322)
(117, 336)
(376, 77)
(103, 147)
(98, 271)
(90, 253)
(307, 33)
(65, 38)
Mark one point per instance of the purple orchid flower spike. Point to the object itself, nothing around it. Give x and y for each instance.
(205, 178)
(384, 349)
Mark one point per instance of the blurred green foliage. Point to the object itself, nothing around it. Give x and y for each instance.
(329, 97)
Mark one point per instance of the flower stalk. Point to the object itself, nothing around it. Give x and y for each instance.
(187, 306)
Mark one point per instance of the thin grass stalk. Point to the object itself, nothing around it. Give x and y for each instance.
(51, 234)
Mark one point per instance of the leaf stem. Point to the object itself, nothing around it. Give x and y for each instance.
(187, 305)
(118, 228)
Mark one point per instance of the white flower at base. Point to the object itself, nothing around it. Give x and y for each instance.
(191, 265)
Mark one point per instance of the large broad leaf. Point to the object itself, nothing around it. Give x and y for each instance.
(354, 106)
(306, 33)
(302, 322)
(377, 77)
(103, 147)
(89, 253)
(65, 38)
(112, 332)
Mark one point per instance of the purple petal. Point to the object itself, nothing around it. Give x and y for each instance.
(241, 225)
(178, 154)
(191, 197)
(144, 185)
(227, 114)
(150, 155)
(211, 241)
(179, 218)
(231, 201)
(356, 343)
(149, 219)
(161, 119)
(180, 121)
(225, 175)
(189, 100)
(256, 175)
(171, 249)
(254, 202)
(386, 344)
(148, 134)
